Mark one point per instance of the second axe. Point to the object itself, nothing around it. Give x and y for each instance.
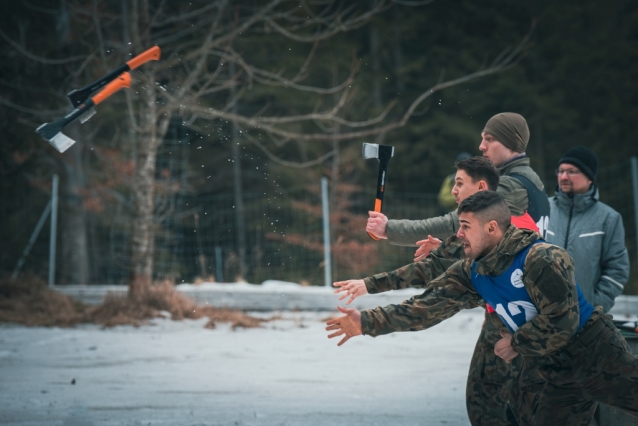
(383, 153)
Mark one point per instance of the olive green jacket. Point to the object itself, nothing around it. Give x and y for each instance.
(408, 232)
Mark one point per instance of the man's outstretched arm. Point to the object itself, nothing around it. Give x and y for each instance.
(418, 274)
(408, 232)
(443, 298)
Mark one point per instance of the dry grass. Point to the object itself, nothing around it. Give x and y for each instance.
(28, 301)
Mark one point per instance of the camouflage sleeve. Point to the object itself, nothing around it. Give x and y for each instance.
(445, 296)
(549, 279)
(420, 273)
(408, 232)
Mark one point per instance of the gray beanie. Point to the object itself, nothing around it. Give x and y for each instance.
(510, 129)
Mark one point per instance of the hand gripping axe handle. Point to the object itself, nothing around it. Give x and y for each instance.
(383, 153)
(80, 95)
(52, 132)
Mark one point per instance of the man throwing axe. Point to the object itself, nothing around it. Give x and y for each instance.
(576, 348)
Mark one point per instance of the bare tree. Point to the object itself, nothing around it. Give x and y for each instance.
(207, 70)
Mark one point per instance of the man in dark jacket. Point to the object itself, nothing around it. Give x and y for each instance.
(590, 231)
(578, 351)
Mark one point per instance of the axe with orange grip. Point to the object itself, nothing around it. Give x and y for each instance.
(80, 95)
(52, 132)
(383, 153)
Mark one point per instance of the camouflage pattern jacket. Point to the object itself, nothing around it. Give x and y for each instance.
(408, 232)
(548, 277)
(418, 274)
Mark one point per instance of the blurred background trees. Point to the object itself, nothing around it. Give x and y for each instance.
(252, 102)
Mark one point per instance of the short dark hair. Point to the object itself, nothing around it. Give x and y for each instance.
(487, 205)
(480, 168)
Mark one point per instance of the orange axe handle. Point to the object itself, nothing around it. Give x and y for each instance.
(121, 82)
(377, 208)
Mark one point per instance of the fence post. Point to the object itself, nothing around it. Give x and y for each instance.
(634, 178)
(219, 265)
(326, 232)
(34, 236)
(54, 230)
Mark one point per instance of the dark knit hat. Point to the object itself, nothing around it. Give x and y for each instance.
(462, 156)
(583, 158)
(510, 129)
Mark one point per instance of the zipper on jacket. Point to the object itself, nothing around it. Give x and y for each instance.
(569, 221)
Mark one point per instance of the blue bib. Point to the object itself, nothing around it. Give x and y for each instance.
(507, 294)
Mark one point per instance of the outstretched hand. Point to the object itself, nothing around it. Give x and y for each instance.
(349, 324)
(425, 247)
(376, 225)
(503, 348)
(353, 288)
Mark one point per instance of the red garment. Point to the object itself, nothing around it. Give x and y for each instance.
(522, 222)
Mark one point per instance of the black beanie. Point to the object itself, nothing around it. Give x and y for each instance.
(583, 158)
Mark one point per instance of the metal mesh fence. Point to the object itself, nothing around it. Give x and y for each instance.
(198, 237)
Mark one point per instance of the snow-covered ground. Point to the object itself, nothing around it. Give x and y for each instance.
(285, 373)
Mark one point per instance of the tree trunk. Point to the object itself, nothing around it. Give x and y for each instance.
(376, 66)
(144, 218)
(75, 261)
(398, 51)
(240, 222)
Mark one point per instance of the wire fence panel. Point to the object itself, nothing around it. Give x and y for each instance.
(202, 237)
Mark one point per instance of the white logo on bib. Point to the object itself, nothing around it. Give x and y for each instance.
(516, 278)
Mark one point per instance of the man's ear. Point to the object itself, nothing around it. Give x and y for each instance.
(492, 226)
(482, 185)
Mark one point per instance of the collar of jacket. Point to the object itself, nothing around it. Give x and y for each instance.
(581, 202)
(512, 163)
(499, 259)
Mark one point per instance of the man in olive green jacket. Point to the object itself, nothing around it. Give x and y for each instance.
(504, 140)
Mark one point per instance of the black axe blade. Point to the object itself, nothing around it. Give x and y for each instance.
(383, 153)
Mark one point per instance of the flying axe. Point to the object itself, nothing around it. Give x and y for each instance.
(52, 132)
(78, 96)
(383, 153)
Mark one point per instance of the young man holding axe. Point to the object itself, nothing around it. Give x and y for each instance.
(504, 140)
(488, 378)
(578, 351)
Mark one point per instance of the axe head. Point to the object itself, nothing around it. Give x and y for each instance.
(374, 150)
(52, 132)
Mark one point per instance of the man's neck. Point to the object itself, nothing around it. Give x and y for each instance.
(514, 156)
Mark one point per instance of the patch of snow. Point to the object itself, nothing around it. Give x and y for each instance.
(286, 372)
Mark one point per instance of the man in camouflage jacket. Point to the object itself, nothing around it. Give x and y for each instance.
(504, 140)
(580, 355)
(487, 390)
